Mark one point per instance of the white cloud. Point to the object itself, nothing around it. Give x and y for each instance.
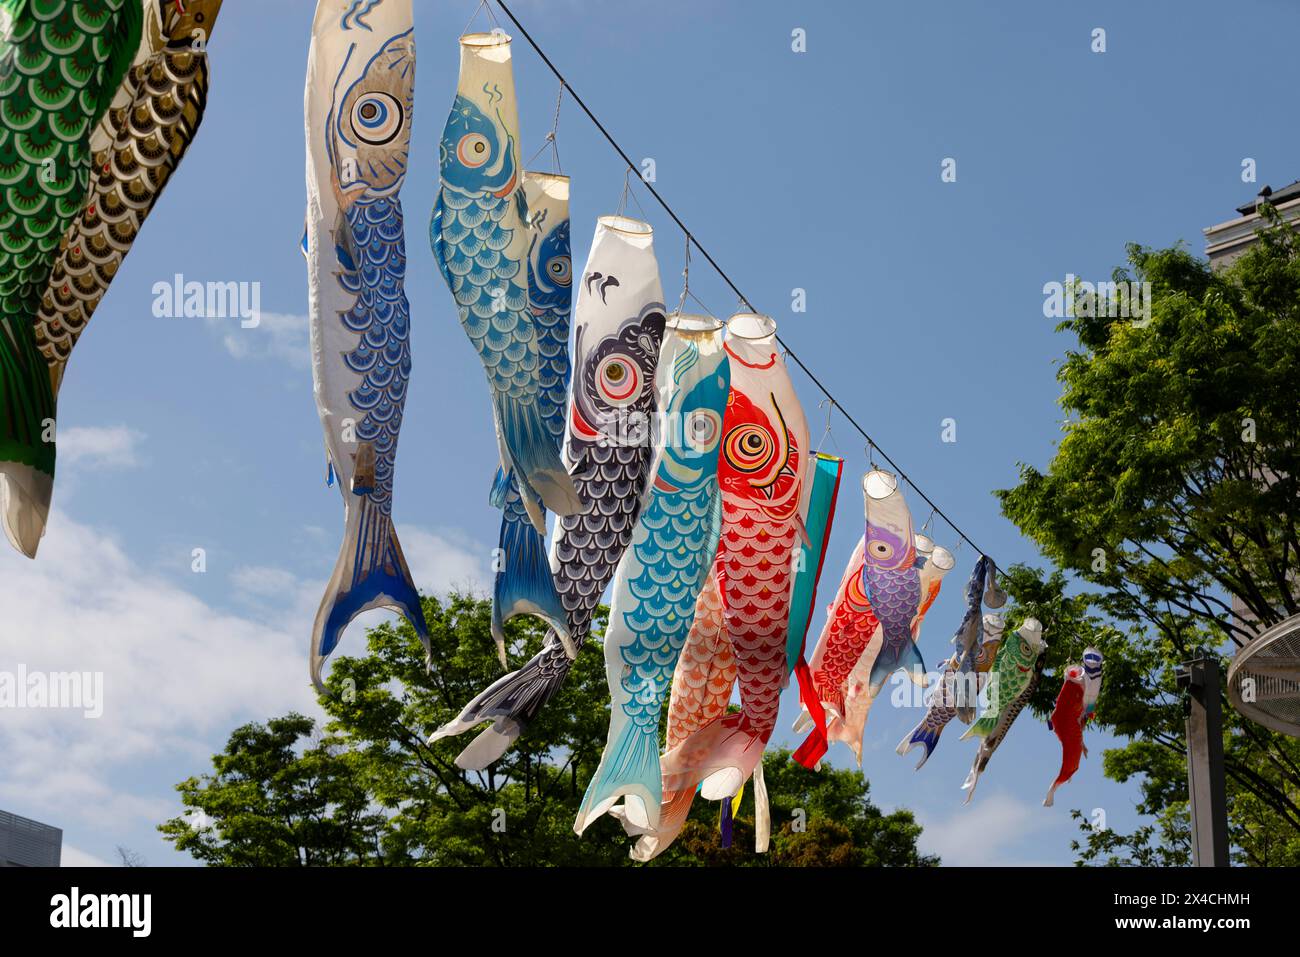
(994, 830)
(263, 581)
(277, 335)
(75, 857)
(111, 446)
(178, 674)
(440, 561)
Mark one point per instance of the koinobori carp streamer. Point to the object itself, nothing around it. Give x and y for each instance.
(359, 98)
(618, 329)
(63, 64)
(480, 238)
(660, 576)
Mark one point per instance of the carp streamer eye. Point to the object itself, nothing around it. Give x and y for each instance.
(880, 549)
(748, 448)
(377, 118)
(473, 150)
(560, 270)
(702, 428)
(618, 379)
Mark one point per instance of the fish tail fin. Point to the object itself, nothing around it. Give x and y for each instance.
(27, 411)
(927, 737)
(981, 728)
(675, 807)
(523, 584)
(977, 767)
(895, 653)
(533, 456)
(716, 759)
(629, 768)
(371, 572)
(501, 488)
(510, 703)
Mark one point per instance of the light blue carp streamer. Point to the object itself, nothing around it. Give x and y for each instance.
(479, 208)
(658, 584)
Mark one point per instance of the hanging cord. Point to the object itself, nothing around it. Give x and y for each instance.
(627, 191)
(690, 239)
(483, 5)
(686, 276)
(686, 283)
(829, 405)
(550, 139)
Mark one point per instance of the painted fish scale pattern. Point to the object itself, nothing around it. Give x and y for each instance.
(1007, 716)
(57, 55)
(381, 315)
(1012, 669)
(678, 531)
(48, 98)
(754, 555)
(590, 544)
(493, 304)
(551, 308)
(705, 672)
(849, 627)
(167, 95)
(895, 598)
(550, 311)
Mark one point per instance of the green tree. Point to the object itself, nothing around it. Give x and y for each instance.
(1173, 492)
(369, 790)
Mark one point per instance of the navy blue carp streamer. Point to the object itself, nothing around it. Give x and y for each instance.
(618, 328)
(360, 91)
(523, 583)
(480, 238)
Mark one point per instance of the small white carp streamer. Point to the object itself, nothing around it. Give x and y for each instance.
(360, 91)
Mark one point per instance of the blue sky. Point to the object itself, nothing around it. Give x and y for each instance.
(818, 170)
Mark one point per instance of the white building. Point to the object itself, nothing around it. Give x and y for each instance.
(1226, 241)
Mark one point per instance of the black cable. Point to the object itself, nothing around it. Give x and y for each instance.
(727, 279)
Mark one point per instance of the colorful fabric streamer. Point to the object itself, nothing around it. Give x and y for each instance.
(659, 579)
(64, 61)
(891, 579)
(1017, 669)
(137, 146)
(523, 582)
(618, 328)
(1074, 706)
(480, 239)
(762, 472)
(824, 486)
(850, 624)
(1091, 681)
(360, 90)
(968, 640)
(942, 701)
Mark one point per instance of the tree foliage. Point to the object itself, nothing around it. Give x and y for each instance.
(368, 790)
(1173, 491)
